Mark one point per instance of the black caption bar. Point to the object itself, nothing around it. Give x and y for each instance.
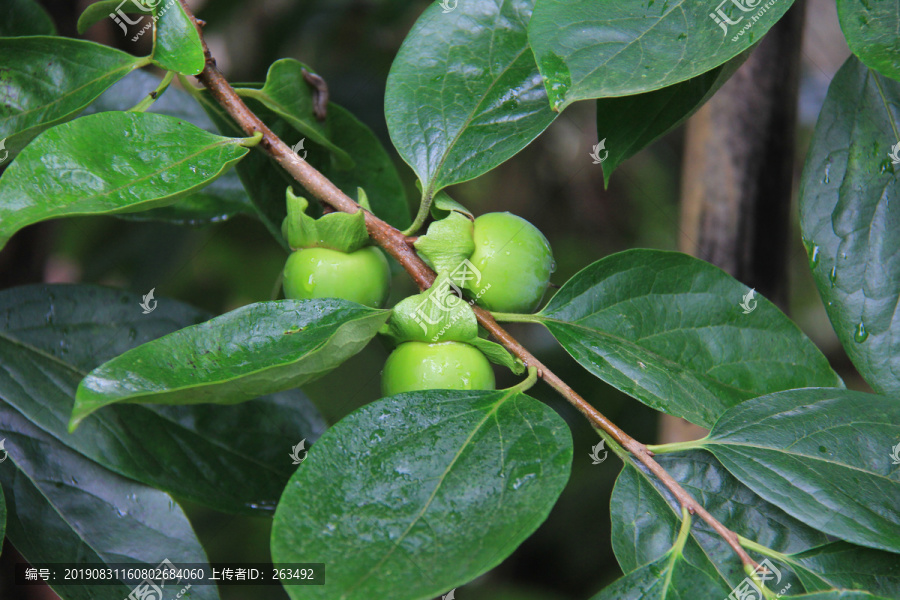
(167, 575)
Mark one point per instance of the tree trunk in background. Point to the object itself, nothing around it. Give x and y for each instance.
(738, 175)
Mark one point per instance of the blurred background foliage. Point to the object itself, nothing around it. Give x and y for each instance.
(552, 183)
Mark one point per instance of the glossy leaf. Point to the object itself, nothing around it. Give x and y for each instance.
(445, 485)
(822, 456)
(65, 508)
(631, 123)
(223, 198)
(265, 181)
(464, 94)
(24, 17)
(871, 30)
(288, 95)
(839, 595)
(671, 577)
(600, 48)
(55, 334)
(374, 170)
(257, 349)
(646, 518)
(176, 42)
(849, 206)
(669, 330)
(40, 90)
(108, 163)
(843, 565)
(103, 9)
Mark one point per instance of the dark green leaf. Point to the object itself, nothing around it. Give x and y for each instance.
(646, 517)
(110, 162)
(838, 595)
(105, 9)
(600, 48)
(176, 42)
(444, 486)
(631, 123)
(39, 89)
(849, 215)
(672, 577)
(65, 508)
(24, 17)
(288, 95)
(669, 330)
(464, 94)
(220, 200)
(843, 565)
(263, 179)
(374, 170)
(55, 334)
(257, 349)
(266, 181)
(821, 455)
(871, 30)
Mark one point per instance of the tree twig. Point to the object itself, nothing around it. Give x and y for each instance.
(396, 244)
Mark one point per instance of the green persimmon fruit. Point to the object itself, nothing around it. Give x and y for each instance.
(443, 366)
(515, 262)
(362, 276)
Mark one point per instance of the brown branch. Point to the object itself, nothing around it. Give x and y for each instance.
(396, 244)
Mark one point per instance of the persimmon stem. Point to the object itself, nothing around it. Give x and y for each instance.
(394, 242)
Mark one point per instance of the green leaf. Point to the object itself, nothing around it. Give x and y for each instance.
(223, 198)
(38, 89)
(287, 94)
(445, 485)
(104, 9)
(849, 205)
(176, 42)
(802, 451)
(257, 349)
(669, 330)
(110, 162)
(631, 123)
(671, 577)
(843, 565)
(374, 170)
(24, 17)
(839, 595)
(464, 94)
(65, 508)
(646, 518)
(55, 334)
(600, 48)
(871, 32)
